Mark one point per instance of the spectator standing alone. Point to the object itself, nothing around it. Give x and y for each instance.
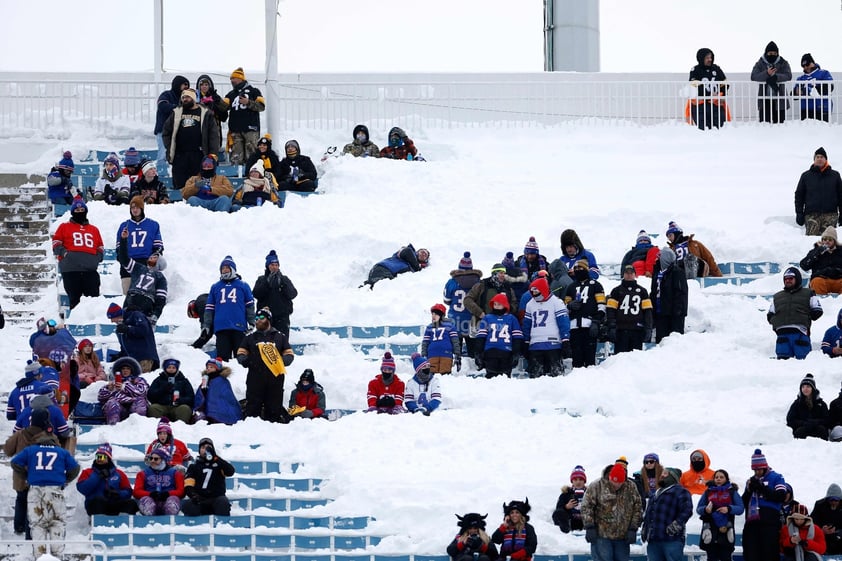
(772, 71)
(708, 109)
(275, 291)
(245, 102)
(818, 196)
(78, 247)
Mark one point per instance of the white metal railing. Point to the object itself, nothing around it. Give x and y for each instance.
(412, 102)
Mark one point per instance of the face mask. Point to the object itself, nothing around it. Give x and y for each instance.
(80, 216)
(361, 137)
(187, 104)
(698, 465)
(387, 377)
(424, 376)
(208, 173)
(498, 311)
(581, 274)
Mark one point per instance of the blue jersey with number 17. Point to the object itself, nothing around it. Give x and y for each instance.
(499, 331)
(144, 238)
(45, 464)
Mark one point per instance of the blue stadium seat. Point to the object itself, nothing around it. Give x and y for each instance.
(248, 467)
(439, 557)
(271, 521)
(295, 484)
(121, 539)
(392, 558)
(239, 541)
(92, 170)
(271, 557)
(146, 521)
(236, 182)
(228, 170)
(272, 504)
(356, 557)
(104, 521)
(256, 483)
(350, 522)
(151, 539)
(312, 542)
(191, 521)
(305, 522)
(349, 542)
(235, 556)
(195, 540)
(272, 541)
(297, 504)
(237, 521)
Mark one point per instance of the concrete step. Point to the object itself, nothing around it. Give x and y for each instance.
(22, 239)
(12, 180)
(20, 316)
(27, 285)
(22, 259)
(24, 297)
(15, 228)
(36, 197)
(26, 271)
(25, 213)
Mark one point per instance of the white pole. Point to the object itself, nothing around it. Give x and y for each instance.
(159, 39)
(271, 94)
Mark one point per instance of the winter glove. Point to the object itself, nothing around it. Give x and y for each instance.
(121, 328)
(203, 338)
(159, 496)
(674, 528)
(306, 414)
(799, 219)
(191, 493)
(111, 494)
(631, 536)
(574, 306)
(287, 359)
(593, 330)
(385, 401)
(566, 349)
(474, 542)
(243, 359)
(591, 534)
(458, 361)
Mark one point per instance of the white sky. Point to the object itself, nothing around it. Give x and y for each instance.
(377, 36)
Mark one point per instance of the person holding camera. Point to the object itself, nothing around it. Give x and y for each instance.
(472, 543)
(274, 290)
(204, 483)
(568, 513)
(763, 496)
(772, 71)
(825, 262)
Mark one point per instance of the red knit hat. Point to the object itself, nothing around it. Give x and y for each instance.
(617, 473)
(578, 471)
(388, 363)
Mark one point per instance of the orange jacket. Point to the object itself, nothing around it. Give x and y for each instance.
(695, 481)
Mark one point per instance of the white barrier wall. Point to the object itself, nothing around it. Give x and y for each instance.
(108, 102)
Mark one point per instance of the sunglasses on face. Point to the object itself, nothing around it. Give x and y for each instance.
(154, 459)
(649, 462)
(101, 458)
(261, 316)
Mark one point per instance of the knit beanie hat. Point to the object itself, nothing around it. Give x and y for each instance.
(66, 161)
(131, 157)
(162, 453)
(170, 362)
(40, 418)
(33, 368)
(217, 362)
(228, 262)
(820, 152)
(84, 343)
(149, 165)
(419, 362)
(272, 258)
(673, 228)
(617, 473)
(388, 363)
(807, 58)
(105, 448)
(531, 247)
(642, 237)
(809, 381)
(466, 263)
(114, 311)
(164, 426)
(258, 167)
(758, 460)
(508, 261)
(830, 232)
(673, 476)
(499, 268)
(578, 471)
(78, 202)
(191, 93)
(651, 456)
(238, 73)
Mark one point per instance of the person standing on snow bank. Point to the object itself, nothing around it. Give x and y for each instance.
(818, 196)
(78, 248)
(792, 312)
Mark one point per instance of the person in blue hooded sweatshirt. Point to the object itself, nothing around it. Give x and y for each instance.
(406, 259)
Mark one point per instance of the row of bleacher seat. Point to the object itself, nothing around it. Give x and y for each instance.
(219, 556)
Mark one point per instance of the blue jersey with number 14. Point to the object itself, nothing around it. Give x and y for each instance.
(499, 331)
(229, 304)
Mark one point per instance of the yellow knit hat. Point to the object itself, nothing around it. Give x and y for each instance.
(238, 73)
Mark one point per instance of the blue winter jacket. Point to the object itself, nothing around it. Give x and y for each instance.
(220, 404)
(593, 268)
(92, 485)
(811, 103)
(138, 342)
(833, 337)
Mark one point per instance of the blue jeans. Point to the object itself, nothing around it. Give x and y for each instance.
(610, 550)
(161, 164)
(219, 204)
(665, 551)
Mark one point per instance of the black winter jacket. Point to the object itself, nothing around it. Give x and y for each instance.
(818, 190)
(822, 263)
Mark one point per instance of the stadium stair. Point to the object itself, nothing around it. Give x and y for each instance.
(24, 246)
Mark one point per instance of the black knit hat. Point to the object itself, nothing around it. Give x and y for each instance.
(806, 59)
(820, 152)
(808, 380)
